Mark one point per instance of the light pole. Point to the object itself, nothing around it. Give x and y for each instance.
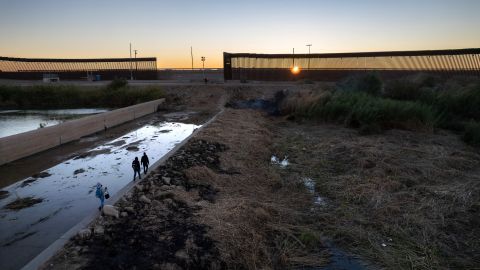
(136, 66)
(131, 72)
(191, 55)
(309, 45)
(203, 66)
(293, 54)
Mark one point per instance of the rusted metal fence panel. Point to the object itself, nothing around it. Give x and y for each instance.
(144, 68)
(334, 66)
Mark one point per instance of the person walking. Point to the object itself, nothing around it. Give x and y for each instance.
(136, 168)
(99, 193)
(145, 162)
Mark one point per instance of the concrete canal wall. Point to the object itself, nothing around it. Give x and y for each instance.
(28, 143)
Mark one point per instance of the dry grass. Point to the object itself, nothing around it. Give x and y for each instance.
(418, 194)
(257, 219)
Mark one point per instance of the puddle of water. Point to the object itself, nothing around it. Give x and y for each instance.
(18, 121)
(340, 260)
(62, 189)
(178, 116)
(309, 184)
(282, 163)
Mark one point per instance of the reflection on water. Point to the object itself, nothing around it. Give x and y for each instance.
(310, 186)
(68, 191)
(282, 163)
(18, 121)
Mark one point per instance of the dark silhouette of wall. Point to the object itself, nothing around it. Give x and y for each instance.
(334, 66)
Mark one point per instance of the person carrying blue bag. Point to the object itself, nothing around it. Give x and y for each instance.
(100, 193)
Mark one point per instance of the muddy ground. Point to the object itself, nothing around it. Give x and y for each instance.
(397, 200)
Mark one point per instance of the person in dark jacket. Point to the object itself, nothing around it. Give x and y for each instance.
(145, 162)
(136, 168)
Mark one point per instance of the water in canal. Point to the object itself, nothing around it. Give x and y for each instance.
(18, 121)
(68, 189)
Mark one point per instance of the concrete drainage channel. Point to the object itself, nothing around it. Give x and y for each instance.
(53, 248)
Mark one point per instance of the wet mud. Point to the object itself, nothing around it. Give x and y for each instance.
(41, 175)
(94, 153)
(78, 171)
(22, 203)
(28, 182)
(3, 194)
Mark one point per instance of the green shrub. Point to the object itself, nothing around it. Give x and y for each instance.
(310, 239)
(420, 87)
(117, 83)
(369, 113)
(461, 102)
(405, 90)
(472, 133)
(67, 96)
(369, 83)
(424, 80)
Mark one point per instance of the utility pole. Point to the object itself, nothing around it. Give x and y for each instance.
(191, 55)
(203, 66)
(136, 66)
(309, 45)
(131, 72)
(293, 57)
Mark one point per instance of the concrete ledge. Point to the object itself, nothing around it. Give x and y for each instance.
(28, 143)
(51, 250)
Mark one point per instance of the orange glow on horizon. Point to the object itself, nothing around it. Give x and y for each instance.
(295, 70)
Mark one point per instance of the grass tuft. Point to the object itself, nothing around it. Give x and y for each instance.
(369, 83)
(420, 102)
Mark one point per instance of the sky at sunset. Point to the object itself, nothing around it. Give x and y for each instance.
(167, 29)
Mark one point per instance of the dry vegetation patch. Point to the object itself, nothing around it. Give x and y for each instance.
(258, 219)
(401, 199)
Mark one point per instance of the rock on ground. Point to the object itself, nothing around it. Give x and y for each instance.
(110, 210)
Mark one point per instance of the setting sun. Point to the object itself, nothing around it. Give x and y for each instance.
(295, 70)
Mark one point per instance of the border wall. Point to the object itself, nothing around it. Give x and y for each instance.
(31, 142)
(335, 66)
(144, 68)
